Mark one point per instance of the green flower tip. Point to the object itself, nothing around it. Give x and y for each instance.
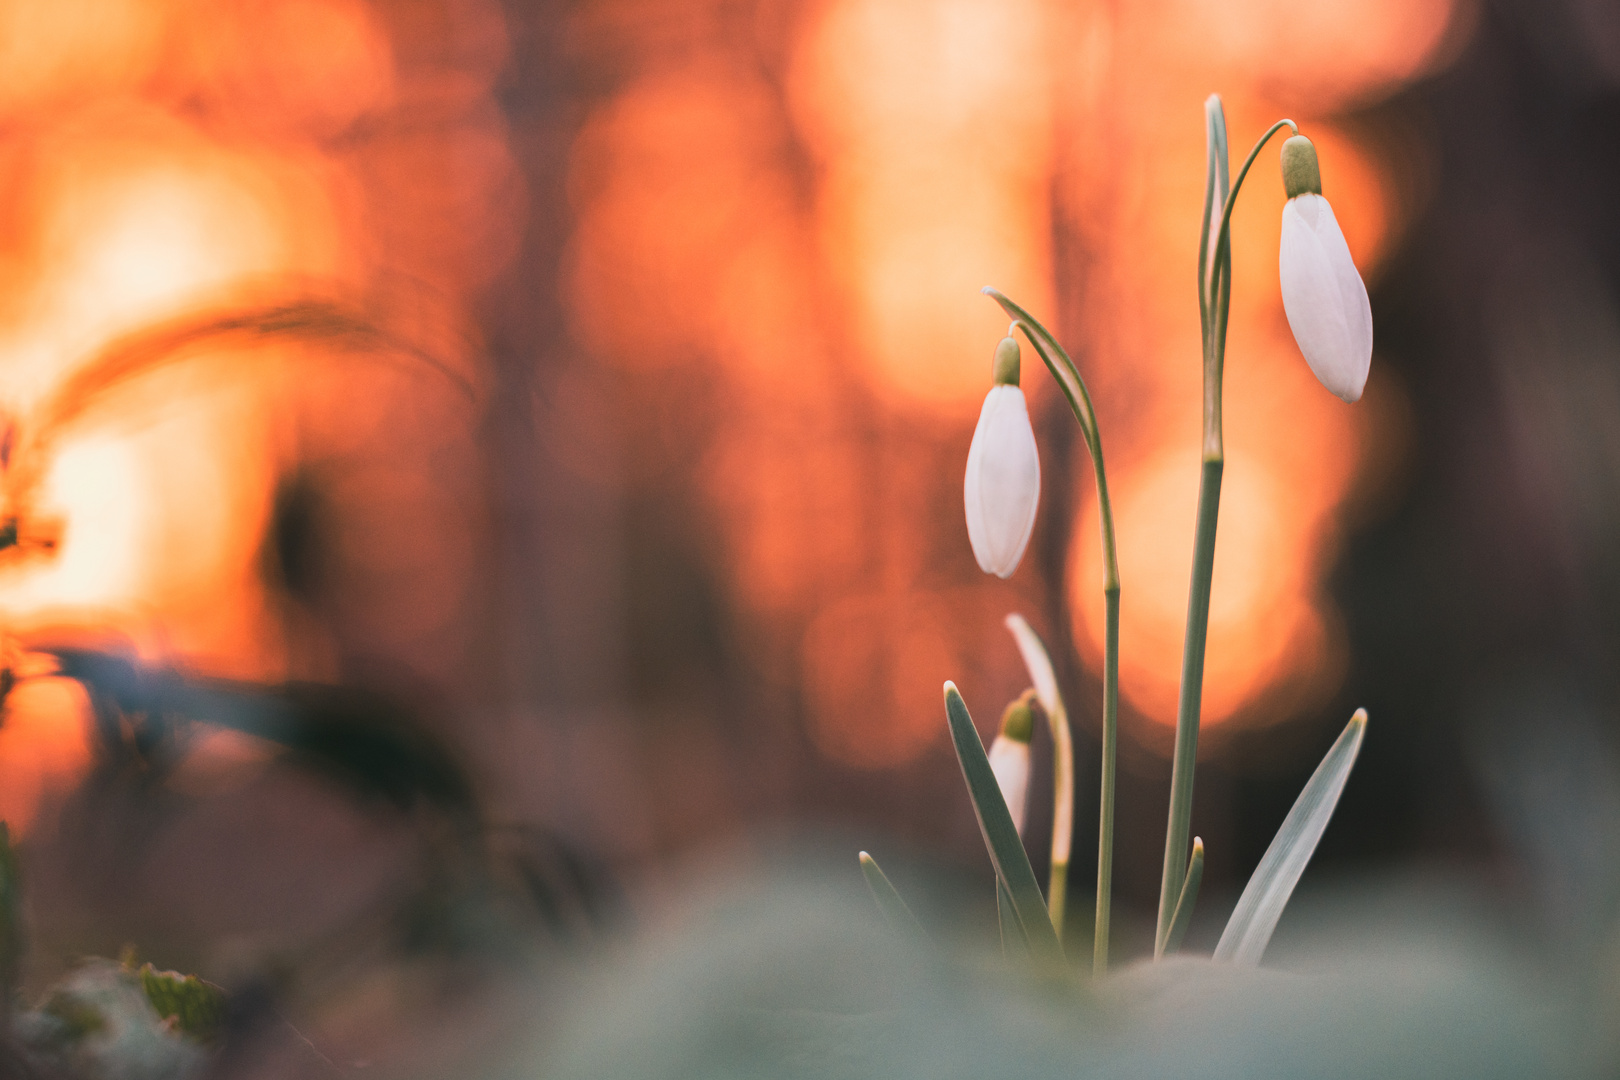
(951, 692)
(1018, 722)
(1301, 173)
(1005, 366)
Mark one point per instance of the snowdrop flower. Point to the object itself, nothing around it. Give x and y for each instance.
(1322, 293)
(1003, 483)
(1009, 756)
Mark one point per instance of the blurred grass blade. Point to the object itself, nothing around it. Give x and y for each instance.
(894, 909)
(1261, 905)
(1013, 943)
(1189, 897)
(1000, 835)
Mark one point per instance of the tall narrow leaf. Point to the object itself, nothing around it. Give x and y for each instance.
(1000, 835)
(1249, 930)
(894, 909)
(1013, 943)
(1184, 906)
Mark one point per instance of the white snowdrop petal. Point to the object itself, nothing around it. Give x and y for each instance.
(1009, 760)
(1356, 306)
(1002, 489)
(972, 495)
(1311, 298)
(1324, 297)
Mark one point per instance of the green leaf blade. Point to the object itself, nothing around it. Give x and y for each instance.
(894, 909)
(1249, 930)
(1189, 897)
(1000, 835)
(1013, 942)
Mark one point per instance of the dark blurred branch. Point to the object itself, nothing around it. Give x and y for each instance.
(360, 737)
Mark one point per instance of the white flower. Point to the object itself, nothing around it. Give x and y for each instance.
(1003, 485)
(1009, 760)
(1009, 756)
(1324, 296)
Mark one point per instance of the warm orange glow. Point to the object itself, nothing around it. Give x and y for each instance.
(1292, 450)
(932, 123)
(859, 720)
(829, 251)
(1315, 55)
(70, 48)
(96, 483)
(806, 220)
(296, 65)
(43, 748)
(169, 167)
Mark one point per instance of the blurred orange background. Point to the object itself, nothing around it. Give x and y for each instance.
(724, 291)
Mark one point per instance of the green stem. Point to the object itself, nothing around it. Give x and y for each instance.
(1057, 882)
(1110, 743)
(1214, 298)
(1057, 892)
(1074, 391)
(1192, 684)
(1216, 290)
(1217, 183)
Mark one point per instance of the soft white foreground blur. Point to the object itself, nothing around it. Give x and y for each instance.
(791, 974)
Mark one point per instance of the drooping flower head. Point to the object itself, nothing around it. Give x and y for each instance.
(1322, 291)
(1003, 484)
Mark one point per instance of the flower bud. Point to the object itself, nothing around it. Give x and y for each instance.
(1301, 173)
(1322, 291)
(1003, 485)
(1004, 368)
(1009, 756)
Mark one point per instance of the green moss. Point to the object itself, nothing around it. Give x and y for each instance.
(196, 1007)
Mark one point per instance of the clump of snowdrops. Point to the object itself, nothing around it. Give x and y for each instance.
(1328, 311)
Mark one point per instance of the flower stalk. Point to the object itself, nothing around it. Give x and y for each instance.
(1074, 391)
(1214, 299)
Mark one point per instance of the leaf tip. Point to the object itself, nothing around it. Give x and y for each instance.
(1360, 718)
(867, 860)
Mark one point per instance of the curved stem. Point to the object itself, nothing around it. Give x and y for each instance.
(1214, 299)
(1215, 287)
(1074, 390)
